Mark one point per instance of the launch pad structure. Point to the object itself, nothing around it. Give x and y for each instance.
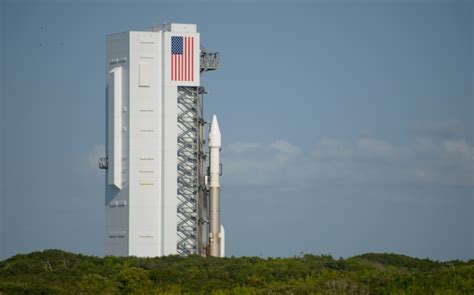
(158, 195)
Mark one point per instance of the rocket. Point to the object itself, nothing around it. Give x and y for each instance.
(216, 243)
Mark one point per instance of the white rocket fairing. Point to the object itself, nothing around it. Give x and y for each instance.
(222, 241)
(215, 145)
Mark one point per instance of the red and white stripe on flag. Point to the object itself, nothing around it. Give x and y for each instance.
(182, 58)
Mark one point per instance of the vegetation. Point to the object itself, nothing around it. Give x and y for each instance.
(59, 272)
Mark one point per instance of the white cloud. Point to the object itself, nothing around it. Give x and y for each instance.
(331, 149)
(376, 149)
(424, 175)
(242, 147)
(460, 148)
(258, 163)
(364, 160)
(285, 147)
(360, 149)
(439, 129)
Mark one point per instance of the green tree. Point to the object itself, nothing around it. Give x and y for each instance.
(133, 280)
(97, 284)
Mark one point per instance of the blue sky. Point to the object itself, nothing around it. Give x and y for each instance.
(348, 127)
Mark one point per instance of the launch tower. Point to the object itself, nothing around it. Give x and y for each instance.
(157, 190)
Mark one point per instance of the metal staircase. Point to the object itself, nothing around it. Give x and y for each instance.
(192, 207)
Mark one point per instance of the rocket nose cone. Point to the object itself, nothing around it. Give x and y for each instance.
(214, 133)
(215, 124)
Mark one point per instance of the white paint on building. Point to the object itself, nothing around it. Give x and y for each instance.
(141, 189)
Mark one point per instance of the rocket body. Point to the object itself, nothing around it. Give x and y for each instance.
(214, 188)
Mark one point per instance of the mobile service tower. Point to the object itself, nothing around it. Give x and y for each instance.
(162, 183)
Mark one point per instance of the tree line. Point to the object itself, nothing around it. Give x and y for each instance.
(60, 272)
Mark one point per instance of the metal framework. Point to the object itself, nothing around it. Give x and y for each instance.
(203, 201)
(104, 163)
(190, 166)
(193, 200)
(209, 60)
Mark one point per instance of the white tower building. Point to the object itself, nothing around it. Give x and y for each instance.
(156, 198)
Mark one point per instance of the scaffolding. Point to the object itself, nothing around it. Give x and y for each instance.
(192, 206)
(188, 185)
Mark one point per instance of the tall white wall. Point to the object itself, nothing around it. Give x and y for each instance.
(117, 198)
(145, 224)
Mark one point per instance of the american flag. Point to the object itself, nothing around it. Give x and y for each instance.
(182, 58)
